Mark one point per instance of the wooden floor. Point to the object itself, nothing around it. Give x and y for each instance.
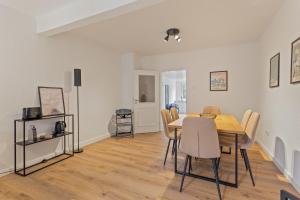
(128, 169)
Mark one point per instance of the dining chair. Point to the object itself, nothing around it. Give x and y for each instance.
(245, 142)
(246, 118)
(169, 132)
(200, 140)
(175, 116)
(174, 113)
(214, 110)
(244, 123)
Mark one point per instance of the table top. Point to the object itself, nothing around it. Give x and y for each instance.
(224, 123)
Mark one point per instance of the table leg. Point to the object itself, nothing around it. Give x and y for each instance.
(175, 141)
(236, 161)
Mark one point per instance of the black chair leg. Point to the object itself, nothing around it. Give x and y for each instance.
(242, 153)
(190, 164)
(218, 163)
(244, 158)
(249, 167)
(215, 168)
(179, 143)
(173, 148)
(167, 151)
(184, 172)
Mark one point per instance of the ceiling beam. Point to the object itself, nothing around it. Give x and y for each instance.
(85, 12)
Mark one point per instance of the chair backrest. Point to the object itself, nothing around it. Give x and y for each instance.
(174, 113)
(215, 110)
(246, 118)
(166, 118)
(200, 138)
(251, 127)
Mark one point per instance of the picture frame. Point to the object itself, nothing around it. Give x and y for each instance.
(295, 62)
(51, 101)
(274, 80)
(218, 81)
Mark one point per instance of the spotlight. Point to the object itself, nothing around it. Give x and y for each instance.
(174, 32)
(166, 38)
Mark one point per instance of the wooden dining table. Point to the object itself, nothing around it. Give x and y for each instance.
(225, 124)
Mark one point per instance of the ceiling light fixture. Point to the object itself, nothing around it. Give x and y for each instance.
(166, 38)
(173, 32)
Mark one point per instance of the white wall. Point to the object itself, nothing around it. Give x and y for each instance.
(127, 65)
(280, 110)
(28, 61)
(241, 62)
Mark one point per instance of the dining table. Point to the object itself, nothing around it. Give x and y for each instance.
(225, 124)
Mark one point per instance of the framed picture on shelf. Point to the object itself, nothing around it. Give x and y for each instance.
(219, 81)
(274, 71)
(51, 101)
(295, 62)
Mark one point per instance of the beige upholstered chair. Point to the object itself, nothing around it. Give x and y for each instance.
(244, 123)
(246, 118)
(169, 132)
(175, 116)
(200, 140)
(174, 113)
(251, 131)
(214, 110)
(245, 142)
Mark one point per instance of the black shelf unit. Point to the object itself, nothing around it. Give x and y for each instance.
(124, 119)
(23, 143)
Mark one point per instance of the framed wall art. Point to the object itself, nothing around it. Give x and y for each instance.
(51, 101)
(274, 71)
(295, 62)
(219, 81)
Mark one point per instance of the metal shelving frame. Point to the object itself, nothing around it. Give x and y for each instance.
(25, 143)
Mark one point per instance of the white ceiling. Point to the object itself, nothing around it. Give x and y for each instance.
(35, 7)
(203, 23)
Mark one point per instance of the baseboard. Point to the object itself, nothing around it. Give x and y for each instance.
(266, 150)
(295, 185)
(94, 140)
(6, 171)
(283, 170)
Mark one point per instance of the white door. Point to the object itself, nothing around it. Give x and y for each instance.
(146, 101)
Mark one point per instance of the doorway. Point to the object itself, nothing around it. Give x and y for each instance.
(173, 90)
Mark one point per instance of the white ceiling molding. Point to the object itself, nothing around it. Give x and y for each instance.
(85, 12)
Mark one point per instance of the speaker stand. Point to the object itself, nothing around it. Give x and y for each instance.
(78, 150)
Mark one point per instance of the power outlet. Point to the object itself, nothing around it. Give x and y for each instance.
(267, 132)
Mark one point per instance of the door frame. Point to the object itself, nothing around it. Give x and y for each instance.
(160, 85)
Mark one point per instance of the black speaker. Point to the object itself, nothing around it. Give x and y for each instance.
(77, 77)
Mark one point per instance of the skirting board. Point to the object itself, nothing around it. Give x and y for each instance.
(93, 140)
(284, 171)
(6, 171)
